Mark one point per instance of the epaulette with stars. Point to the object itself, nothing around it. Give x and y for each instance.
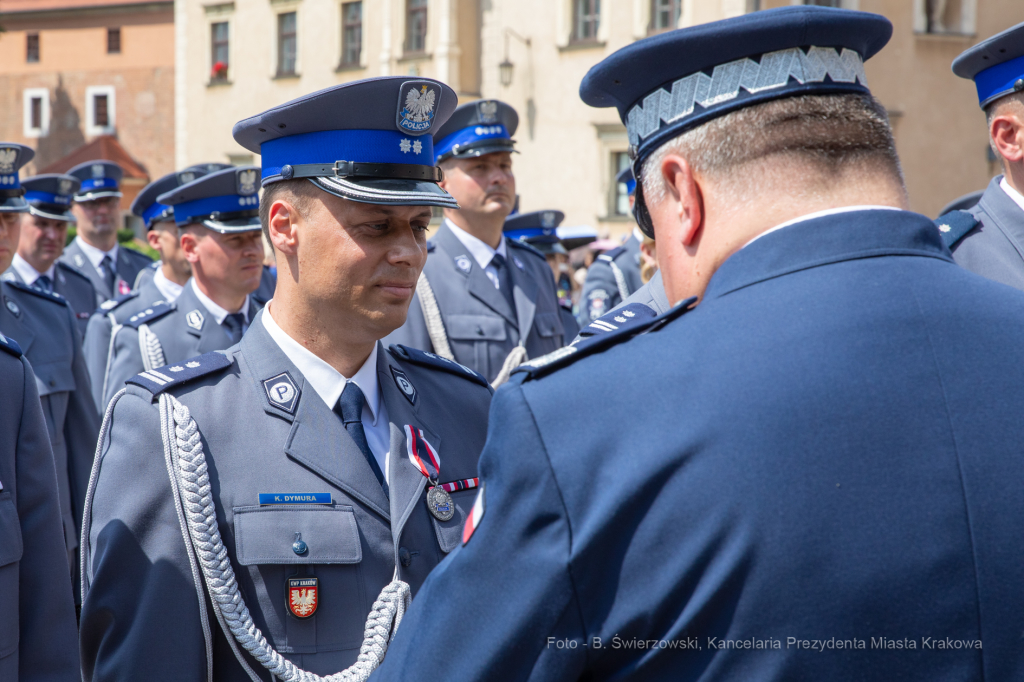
(424, 359)
(115, 303)
(54, 298)
(954, 226)
(612, 254)
(161, 379)
(563, 357)
(620, 318)
(148, 315)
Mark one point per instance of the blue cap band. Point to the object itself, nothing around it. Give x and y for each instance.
(47, 198)
(540, 234)
(9, 181)
(471, 135)
(630, 187)
(999, 79)
(154, 210)
(328, 146)
(187, 211)
(98, 183)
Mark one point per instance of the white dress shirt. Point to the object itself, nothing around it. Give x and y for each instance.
(95, 255)
(218, 313)
(481, 251)
(171, 290)
(822, 214)
(1012, 193)
(329, 383)
(29, 274)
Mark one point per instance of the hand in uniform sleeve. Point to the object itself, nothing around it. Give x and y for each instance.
(414, 332)
(488, 610)
(141, 611)
(95, 349)
(48, 644)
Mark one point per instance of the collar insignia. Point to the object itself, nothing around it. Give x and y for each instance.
(195, 320)
(404, 385)
(463, 263)
(282, 392)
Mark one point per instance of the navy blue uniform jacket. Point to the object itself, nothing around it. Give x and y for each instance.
(827, 447)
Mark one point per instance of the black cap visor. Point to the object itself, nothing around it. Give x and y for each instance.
(479, 148)
(13, 204)
(52, 212)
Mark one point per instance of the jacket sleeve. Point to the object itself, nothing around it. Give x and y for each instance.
(508, 590)
(96, 348)
(414, 332)
(140, 615)
(81, 429)
(125, 362)
(600, 293)
(48, 646)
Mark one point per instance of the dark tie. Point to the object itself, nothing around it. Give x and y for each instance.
(504, 280)
(44, 283)
(234, 323)
(109, 273)
(350, 408)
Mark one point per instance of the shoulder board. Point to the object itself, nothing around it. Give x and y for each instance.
(431, 246)
(113, 303)
(620, 318)
(612, 254)
(156, 381)
(10, 345)
(55, 298)
(424, 359)
(563, 357)
(525, 247)
(954, 226)
(148, 315)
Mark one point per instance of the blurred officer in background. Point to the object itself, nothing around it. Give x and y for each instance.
(822, 445)
(483, 300)
(44, 230)
(95, 250)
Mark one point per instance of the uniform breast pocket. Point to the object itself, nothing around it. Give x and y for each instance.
(54, 377)
(304, 561)
(449, 533)
(475, 328)
(548, 324)
(10, 554)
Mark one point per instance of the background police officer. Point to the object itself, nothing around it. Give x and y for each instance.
(485, 301)
(95, 250)
(309, 423)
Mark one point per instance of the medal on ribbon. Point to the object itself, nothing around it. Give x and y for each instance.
(426, 460)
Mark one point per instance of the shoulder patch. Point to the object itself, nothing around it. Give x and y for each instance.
(954, 226)
(612, 254)
(563, 357)
(55, 298)
(525, 247)
(424, 359)
(156, 381)
(154, 312)
(620, 318)
(113, 303)
(10, 345)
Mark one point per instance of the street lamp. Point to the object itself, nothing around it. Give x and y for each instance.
(507, 68)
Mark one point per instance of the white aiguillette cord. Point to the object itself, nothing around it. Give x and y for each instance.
(186, 466)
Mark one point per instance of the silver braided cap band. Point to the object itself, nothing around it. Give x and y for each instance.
(370, 195)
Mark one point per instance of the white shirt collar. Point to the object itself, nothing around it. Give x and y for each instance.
(480, 250)
(822, 214)
(218, 313)
(95, 255)
(29, 273)
(638, 235)
(1012, 193)
(171, 290)
(325, 380)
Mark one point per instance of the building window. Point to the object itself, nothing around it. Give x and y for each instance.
(101, 112)
(287, 41)
(586, 19)
(620, 195)
(664, 15)
(415, 25)
(219, 58)
(113, 41)
(32, 47)
(351, 33)
(955, 17)
(36, 103)
(824, 3)
(753, 5)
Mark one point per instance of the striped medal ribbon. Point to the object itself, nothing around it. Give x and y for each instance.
(426, 460)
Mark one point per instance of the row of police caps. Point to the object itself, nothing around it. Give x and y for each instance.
(383, 140)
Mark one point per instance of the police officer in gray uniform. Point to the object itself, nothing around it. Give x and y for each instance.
(485, 301)
(615, 274)
(218, 216)
(43, 234)
(95, 250)
(337, 467)
(38, 637)
(988, 238)
(44, 326)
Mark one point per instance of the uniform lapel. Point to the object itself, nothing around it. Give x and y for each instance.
(13, 325)
(74, 255)
(203, 328)
(478, 284)
(524, 292)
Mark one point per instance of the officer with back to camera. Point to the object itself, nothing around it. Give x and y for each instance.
(324, 447)
(44, 231)
(485, 301)
(44, 327)
(217, 216)
(826, 447)
(94, 250)
(988, 238)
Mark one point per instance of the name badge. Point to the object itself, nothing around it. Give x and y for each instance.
(295, 498)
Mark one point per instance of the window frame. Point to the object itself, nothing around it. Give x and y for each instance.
(618, 195)
(411, 13)
(92, 128)
(968, 20)
(28, 48)
(215, 44)
(357, 27)
(676, 9)
(579, 20)
(281, 36)
(28, 95)
(115, 31)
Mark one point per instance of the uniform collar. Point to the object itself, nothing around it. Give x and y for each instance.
(218, 312)
(171, 290)
(1012, 193)
(821, 214)
(28, 273)
(480, 250)
(95, 255)
(325, 380)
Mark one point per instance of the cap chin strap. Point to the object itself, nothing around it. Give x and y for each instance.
(353, 169)
(640, 212)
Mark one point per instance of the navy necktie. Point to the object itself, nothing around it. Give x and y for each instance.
(504, 280)
(350, 408)
(109, 273)
(44, 283)
(235, 326)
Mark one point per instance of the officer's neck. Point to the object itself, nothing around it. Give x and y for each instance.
(487, 227)
(341, 346)
(40, 265)
(176, 272)
(1014, 174)
(227, 297)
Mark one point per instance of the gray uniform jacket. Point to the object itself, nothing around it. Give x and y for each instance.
(481, 326)
(185, 329)
(611, 278)
(129, 263)
(141, 614)
(44, 326)
(38, 635)
(651, 295)
(995, 247)
(74, 286)
(145, 275)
